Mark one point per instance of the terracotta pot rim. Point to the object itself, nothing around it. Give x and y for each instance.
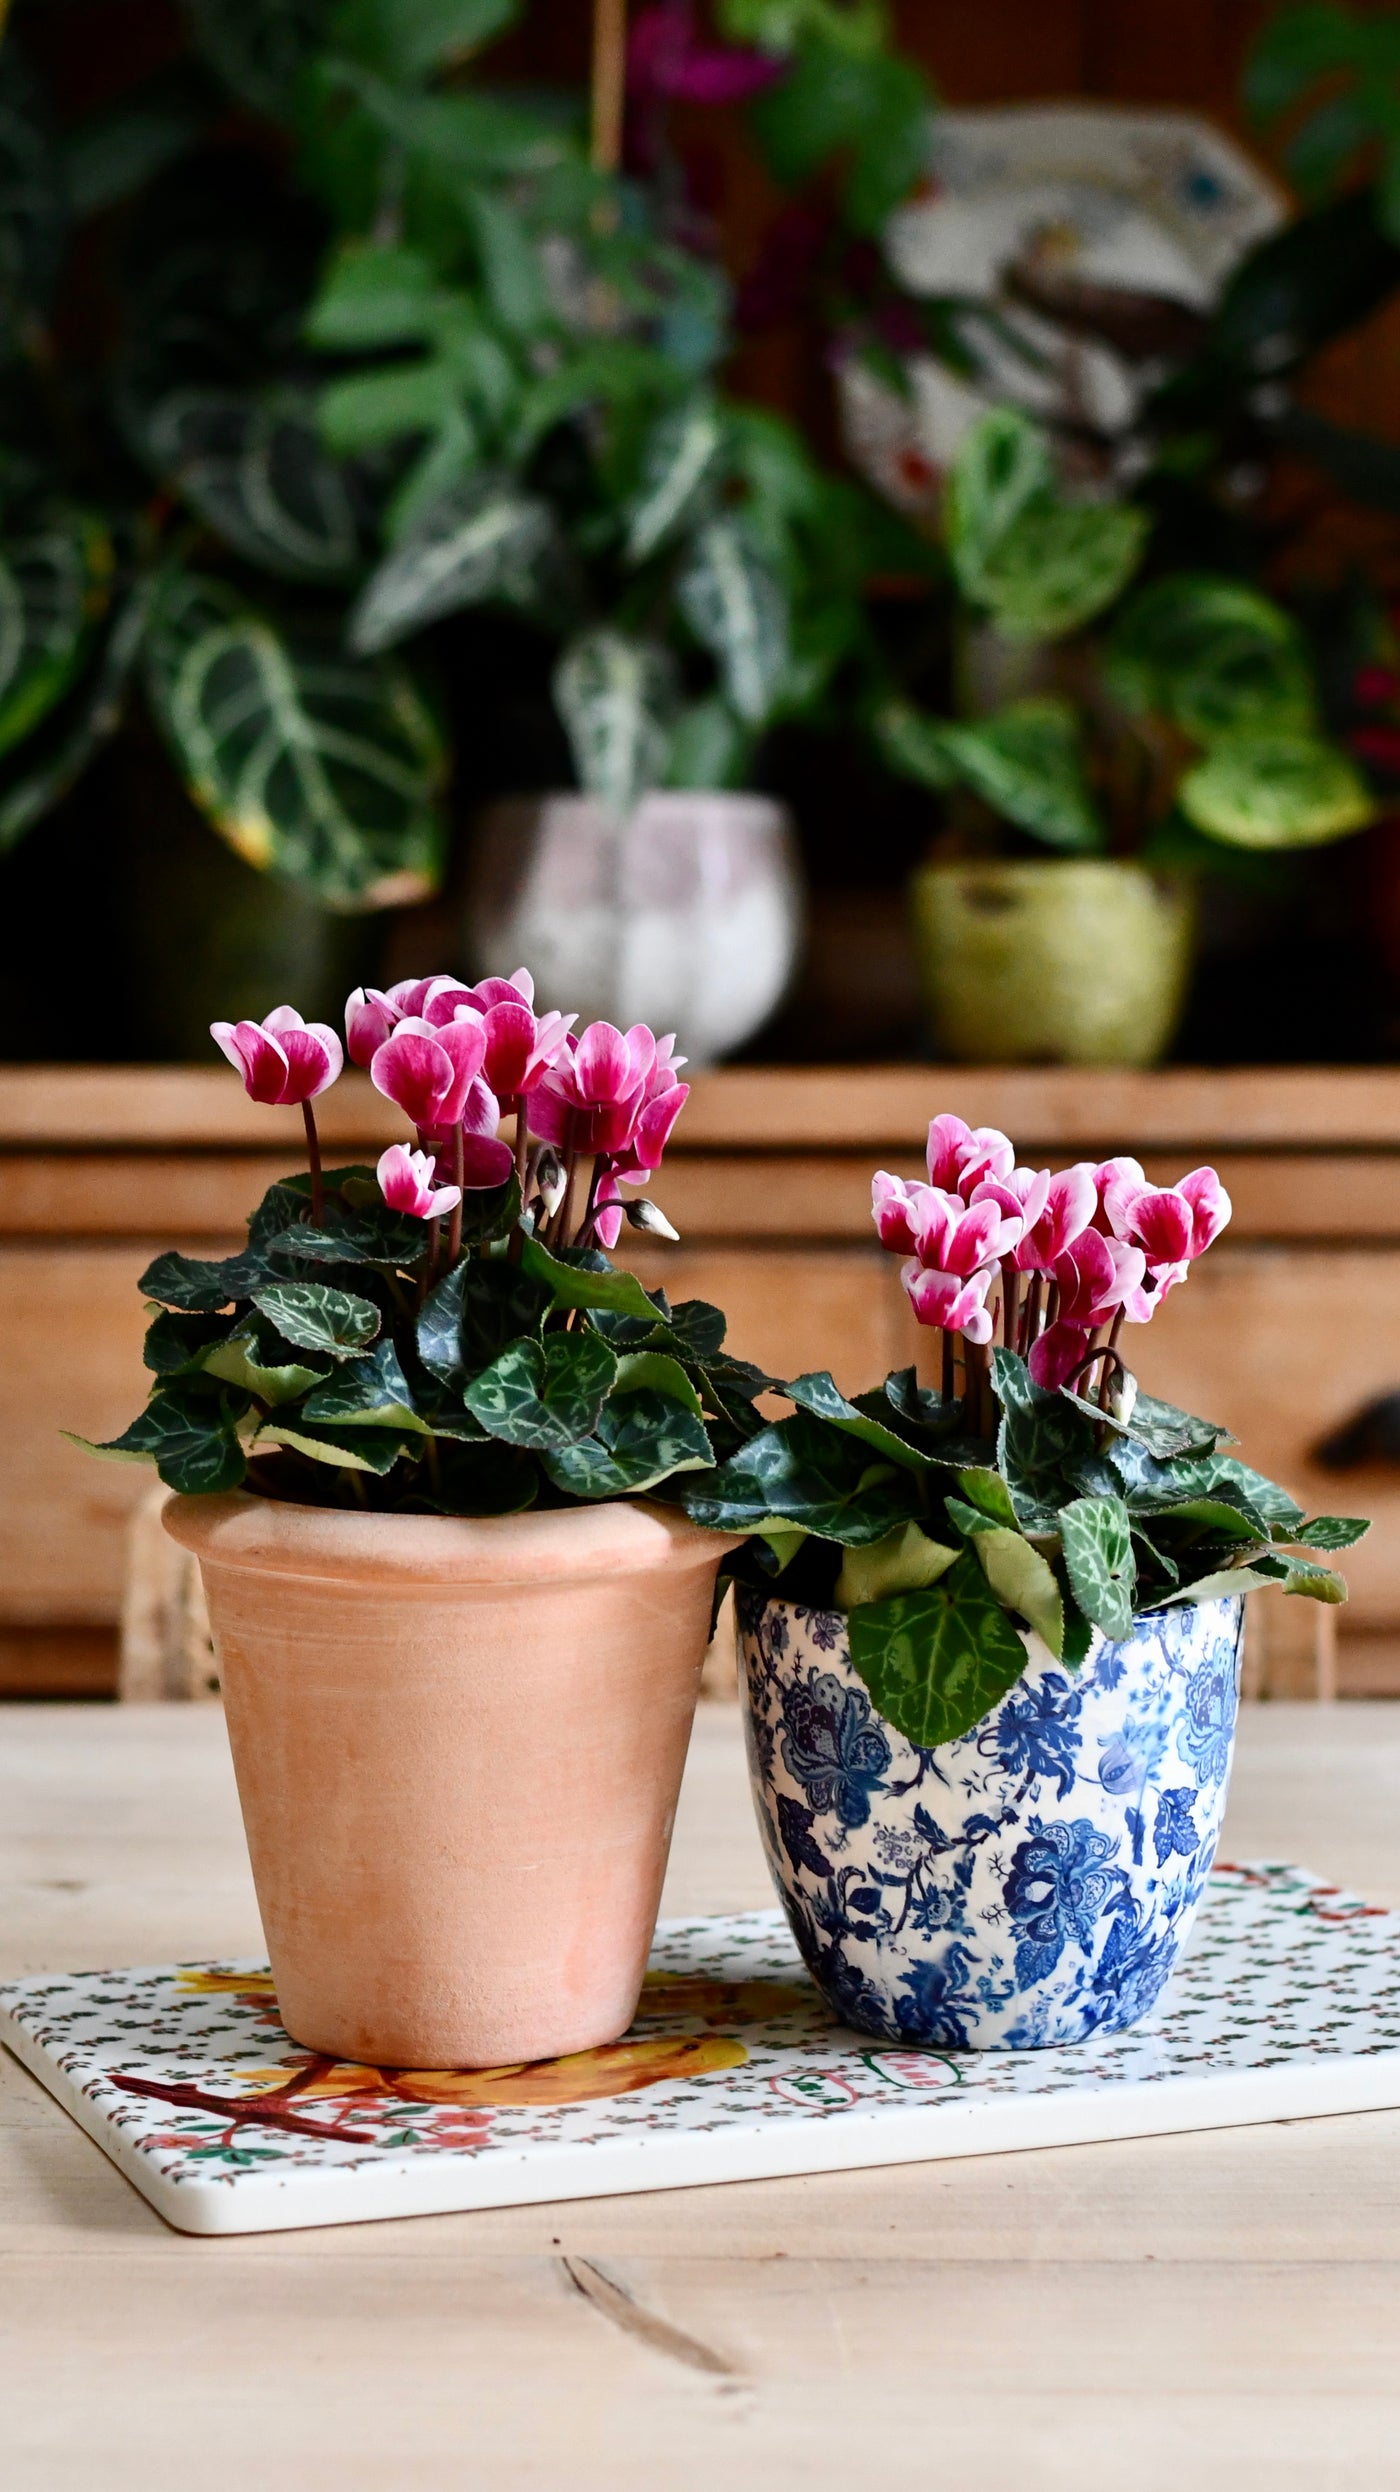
(562, 1545)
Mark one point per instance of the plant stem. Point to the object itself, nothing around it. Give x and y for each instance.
(459, 1170)
(313, 1153)
(1010, 1296)
(522, 1147)
(1113, 1361)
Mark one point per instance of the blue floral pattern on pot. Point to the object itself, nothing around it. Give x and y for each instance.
(1029, 1883)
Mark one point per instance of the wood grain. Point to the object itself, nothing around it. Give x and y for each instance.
(1218, 2310)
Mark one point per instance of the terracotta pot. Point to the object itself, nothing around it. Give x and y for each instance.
(459, 1747)
(1065, 961)
(687, 915)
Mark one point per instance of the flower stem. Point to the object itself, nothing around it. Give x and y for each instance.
(313, 1153)
(459, 1170)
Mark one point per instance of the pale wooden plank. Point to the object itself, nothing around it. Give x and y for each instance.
(880, 1108)
(799, 1196)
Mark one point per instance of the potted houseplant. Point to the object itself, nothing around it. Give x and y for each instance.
(417, 1428)
(1186, 718)
(991, 1627)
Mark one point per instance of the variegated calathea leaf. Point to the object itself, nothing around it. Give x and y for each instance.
(679, 460)
(1026, 761)
(55, 579)
(1273, 789)
(616, 697)
(256, 469)
(1041, 566)
(485, 539)
(323, 768)
(736, 605)
(1211, 654)
(53, 757)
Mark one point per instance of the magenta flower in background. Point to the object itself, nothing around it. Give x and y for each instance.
(520, 1048)
(428, 1072)
(948, 1302)
(406, 1183)
(284, 1061)
(369, 1017)
(667, 59)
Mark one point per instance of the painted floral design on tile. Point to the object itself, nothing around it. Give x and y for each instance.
(1027, 1885)
(183, 2066)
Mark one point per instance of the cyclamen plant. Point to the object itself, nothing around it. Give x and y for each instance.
(1037, 1487)
(444, 1333)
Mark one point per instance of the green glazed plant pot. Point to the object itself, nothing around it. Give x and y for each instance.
(1068, 960)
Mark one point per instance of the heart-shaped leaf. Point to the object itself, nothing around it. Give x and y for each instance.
(937, 1661)
(641, 1439)
(801, 1471)
(368, 1392)
(317, 1318)
(544, 1394)
(186, 1281)
(1097, 1539)
(240, 1360)
(586, 1284)
(189, 1435)
(55, 579)
(818, 1394)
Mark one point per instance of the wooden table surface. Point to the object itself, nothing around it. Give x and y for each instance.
(1188, 2312)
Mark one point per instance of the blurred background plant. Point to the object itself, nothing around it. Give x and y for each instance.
(375, 445)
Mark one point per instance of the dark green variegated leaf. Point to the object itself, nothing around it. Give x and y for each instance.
(471, 1316)
(1026, 761)
(324, 768)
(344, 1449)
(735, 604)
(641, 1439)
(54, 757)
(1267, 788)
(1211, 654)
(679, 460)
(174, 1343)
(654, 1371)
(802, 1471)
(937, 1661)
(316, 1318)
(1040, 1437)
(1275, 1569)
(187, 1282)
(586, 1285)
(1098, 1547)
(55, 579)
(255, 469)
(1042, 567)
(916, 746)
(394, 1243)
(1332, 1531)
(544, 1394)
(616, 696)
(1153, 1487)
(368, 1392)
(483, 540)
(817, 1393)
(367, 411)
(189, 1435)
(710, 748)
(1159, 1426)
(242, 1359)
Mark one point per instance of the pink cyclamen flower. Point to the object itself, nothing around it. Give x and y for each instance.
(428, 1072)
(1094, 1277)
(948, 1302)
(284, 1060)
(960, 1155)
(406, 1183)
(591, 1098)
(953, 1236)
(1068, 1206)
(895, 1206)
(1172, 1225)
(519, 1047)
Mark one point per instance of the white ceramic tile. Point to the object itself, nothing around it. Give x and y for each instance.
(1287, 2006)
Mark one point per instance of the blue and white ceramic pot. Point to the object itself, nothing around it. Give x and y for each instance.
(1031, 1882)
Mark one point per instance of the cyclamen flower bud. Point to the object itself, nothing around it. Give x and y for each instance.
(651, 1220)
(551, 1183)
